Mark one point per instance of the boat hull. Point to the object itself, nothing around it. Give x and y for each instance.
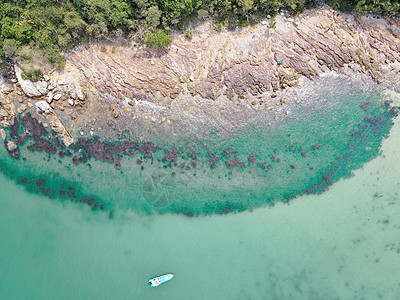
(156, 281)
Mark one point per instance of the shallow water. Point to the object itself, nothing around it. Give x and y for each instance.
(341, 244)
(331, 132)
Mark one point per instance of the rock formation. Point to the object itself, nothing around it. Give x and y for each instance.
(215, 78)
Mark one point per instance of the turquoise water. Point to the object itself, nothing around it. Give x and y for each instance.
(338, 239)
(270, 161)
(343, 244)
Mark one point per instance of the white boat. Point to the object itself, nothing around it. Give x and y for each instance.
(156, 281)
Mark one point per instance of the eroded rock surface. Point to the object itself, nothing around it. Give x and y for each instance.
(249, 62)
(217, 78)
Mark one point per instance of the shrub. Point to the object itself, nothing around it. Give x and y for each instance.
(159, 38)
(33, 75)
(9, 48)
(189, 34)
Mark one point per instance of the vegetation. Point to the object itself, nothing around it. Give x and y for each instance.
(40, 30)
(159, 38)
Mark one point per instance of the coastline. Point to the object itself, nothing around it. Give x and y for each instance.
(105, 89)
(152, 121)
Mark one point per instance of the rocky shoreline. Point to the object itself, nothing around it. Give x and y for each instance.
(215, 80)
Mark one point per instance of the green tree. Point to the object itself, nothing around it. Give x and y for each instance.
(153, 16)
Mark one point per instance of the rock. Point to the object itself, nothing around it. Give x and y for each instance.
(5, 124)
(27, 86)
(22, 108)
(71, 92)
(131, 102)
(11, 145)
(49, 97)
(3, 113)
(2, 133)
(42, 87)
(115, 114)
(52, 85)
(7, 108)
(66, 138)
(45, 77)
(57, 97)
(43, 106)
(79, 93)
(7, 88)
(61, 82)
(56, 125)
(152, 62)
(208, 90)
(71, 102)
(264, 22)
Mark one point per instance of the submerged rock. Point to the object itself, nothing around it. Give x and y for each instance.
(22, 108)
(2, 133)
(11, 145)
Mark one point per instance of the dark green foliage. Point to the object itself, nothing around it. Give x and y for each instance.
(56, 25)
(33, 75)
(159, 38)
(385, 7)
(343, 5)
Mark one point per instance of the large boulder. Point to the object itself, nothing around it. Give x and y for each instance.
(43, 106)
(52, 85)
(49, 97)
(42, 87)
(27, 86)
